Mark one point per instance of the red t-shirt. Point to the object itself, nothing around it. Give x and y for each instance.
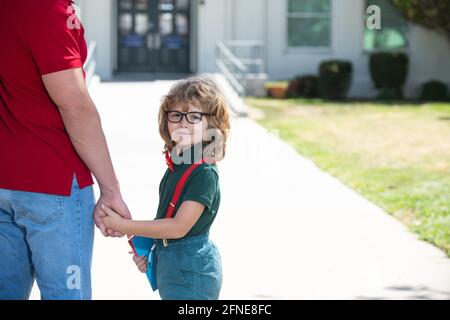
(37, 37)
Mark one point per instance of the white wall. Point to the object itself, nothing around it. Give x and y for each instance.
(98, 19)
(347, 43)
(429, 58)
(220, 20)
(248, 20)
(211, 28)
(266, 20)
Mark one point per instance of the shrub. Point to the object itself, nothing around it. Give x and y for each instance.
(434, 91)
(303, 86)
(335, 78)
(389, 72)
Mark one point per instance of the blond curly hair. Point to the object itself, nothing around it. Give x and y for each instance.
(203, 92)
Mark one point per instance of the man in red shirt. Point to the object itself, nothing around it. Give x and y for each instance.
(51, 140)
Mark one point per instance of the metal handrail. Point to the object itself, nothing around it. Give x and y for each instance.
(237, 69)
(228, 54)
(231, 67)
(256, 49)
(91, 63)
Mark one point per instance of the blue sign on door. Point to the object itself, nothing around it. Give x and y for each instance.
(133, 41)
(173, 42)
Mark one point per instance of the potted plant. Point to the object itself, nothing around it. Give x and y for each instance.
(277, 89)
(389, 71)
(305, 86)
(335, 79)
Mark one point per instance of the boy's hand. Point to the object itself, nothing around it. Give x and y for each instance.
(141, 262)
(112, 219)
(115, 202)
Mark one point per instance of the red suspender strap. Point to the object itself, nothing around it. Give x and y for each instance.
(179, 188)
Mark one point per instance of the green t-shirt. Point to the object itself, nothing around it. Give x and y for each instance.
(202, 186)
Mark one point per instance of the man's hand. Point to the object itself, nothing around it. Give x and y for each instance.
(112, 220)
(117, 204)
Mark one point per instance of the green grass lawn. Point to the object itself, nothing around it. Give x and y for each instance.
(397, 156)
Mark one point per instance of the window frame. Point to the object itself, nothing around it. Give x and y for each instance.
(313, 49)
(405, 49)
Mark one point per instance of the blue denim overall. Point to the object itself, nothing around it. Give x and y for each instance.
(188, 269)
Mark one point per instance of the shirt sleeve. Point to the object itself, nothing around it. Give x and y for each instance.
(202, 187)
(55, 37)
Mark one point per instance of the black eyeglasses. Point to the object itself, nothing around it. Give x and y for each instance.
(191, 117)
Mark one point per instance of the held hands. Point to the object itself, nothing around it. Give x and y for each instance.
(112, 220)
(111, 201)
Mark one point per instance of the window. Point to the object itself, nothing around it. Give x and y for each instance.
(394, 29)
(309, 23)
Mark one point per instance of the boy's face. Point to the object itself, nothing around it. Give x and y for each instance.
(183, 132)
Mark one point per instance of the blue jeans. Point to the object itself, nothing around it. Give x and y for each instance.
(188, 269)
(48, 238)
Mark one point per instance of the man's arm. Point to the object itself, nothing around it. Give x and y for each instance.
(81, 119)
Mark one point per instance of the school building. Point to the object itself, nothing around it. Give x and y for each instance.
(256, 40)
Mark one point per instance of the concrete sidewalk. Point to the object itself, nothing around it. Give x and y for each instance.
(286, 230)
